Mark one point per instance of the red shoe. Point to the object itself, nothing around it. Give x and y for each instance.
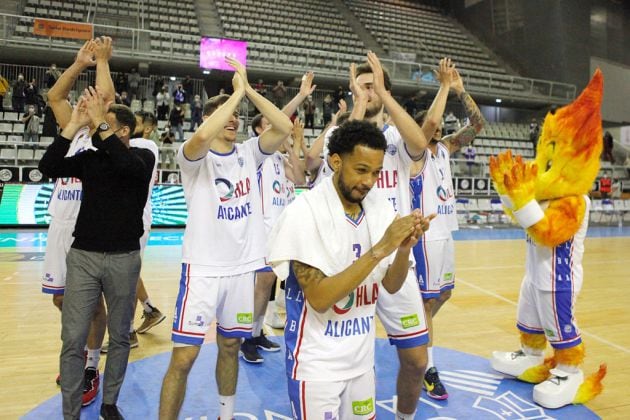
(91, 381)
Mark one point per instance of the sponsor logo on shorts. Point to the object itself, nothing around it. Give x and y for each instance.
(328, 415)
(568, 328)
(363, 408)
(244, 318)
(198, 321)
(409, 321)
(549, 333)
(448, 276)
(48, 277)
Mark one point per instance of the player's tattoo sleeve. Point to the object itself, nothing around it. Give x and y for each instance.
(307, 275)
(472, 111)
(462, 138)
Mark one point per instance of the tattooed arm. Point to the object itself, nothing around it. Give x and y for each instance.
(467, 134)
(322, 292)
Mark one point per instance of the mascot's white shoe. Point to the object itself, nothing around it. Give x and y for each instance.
(514, 363)
(559, 390)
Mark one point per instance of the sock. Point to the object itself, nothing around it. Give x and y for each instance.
(531, 351)
(568, 368)
(93, 356)
(131, 328)
(430, 358)
(146, 305)
(257, 326)
(226, 409)
(403, 416)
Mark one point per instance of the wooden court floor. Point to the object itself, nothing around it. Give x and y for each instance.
(479, 318)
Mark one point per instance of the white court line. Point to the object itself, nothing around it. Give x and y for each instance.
(475, 378)
(488, 375)
(602, 340)
(502, 267)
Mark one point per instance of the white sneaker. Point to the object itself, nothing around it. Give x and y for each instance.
(514, 363)
(275, 320)
(559, 390)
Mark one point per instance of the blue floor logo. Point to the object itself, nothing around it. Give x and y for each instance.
(475, 391)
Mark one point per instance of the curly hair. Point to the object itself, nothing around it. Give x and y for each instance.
(356, 133)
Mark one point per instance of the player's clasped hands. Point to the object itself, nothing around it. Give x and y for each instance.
(404, 232)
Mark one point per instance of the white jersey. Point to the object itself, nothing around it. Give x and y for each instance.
(225, 232)
(432, 192)
(338, 344)
(276, 190)
(560, 267)
(141, 143)
(393, 181)
(65, 200)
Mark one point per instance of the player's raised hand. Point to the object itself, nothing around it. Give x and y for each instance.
(397, 232)
(457, 84)
(95, 104)
(444, 73)
(103, 48)
(379, 74)
(85, 55)
(238, 68)
(306, 86)
(421, 225)
(358, 93)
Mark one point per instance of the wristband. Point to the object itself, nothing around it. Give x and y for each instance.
(530, 214)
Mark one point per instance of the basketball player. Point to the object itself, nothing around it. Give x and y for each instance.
(333, 283)
(401, 314)
(276, 180)
(432, 192)
(224, 240)
(66, 199)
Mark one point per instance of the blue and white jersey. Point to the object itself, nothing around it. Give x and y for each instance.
(432, 192)
(65, 200)
(393, 181)
(276, 190)
(338, 344)
(224, 233)
(558, 268)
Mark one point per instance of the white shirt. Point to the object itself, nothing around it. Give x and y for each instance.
(65, 200)
(338, 344)
(276, 190)
(432, 192)
(141, 143)
(225, 231)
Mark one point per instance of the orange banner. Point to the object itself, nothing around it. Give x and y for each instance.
(61, 29)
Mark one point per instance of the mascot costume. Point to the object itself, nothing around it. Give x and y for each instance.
(547, 197)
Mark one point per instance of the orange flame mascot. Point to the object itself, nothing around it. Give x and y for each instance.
(547, 197)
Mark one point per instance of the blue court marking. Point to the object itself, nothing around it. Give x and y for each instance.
(166, 237)
(475, 390)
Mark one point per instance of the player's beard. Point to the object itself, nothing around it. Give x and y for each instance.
(372, 111)
(346, 191)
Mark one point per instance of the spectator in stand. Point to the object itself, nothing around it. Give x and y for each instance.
(196, 113)
(451, 123)
(340, 94)
(309, 112)
(179, 95)
(31, 94)
(189, 88)
(279, 92)
(411, 105)
(176, 120)
(261, 88)
(50, 127)
(19, 94)
(134, 84)
(327, 109)
(121, 83)
(605, 185)
(607, 153)
(52, 74)
(167, 139)
(157, 86)
(124, 98)
(31, 125)
(470, 154)
(4, 88)
(163, 99)
(534, 130)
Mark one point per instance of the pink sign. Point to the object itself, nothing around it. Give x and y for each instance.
(214, 50)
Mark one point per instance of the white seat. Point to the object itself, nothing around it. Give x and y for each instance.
(8, 154)
(25, 154)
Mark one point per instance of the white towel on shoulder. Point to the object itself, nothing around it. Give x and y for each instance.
(309, 231)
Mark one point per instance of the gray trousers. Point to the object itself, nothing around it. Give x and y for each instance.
(88, 275)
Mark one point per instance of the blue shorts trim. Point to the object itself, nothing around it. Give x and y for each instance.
(184, 339)
(266, 269)
(50, 291)
(528, 330)
(407, 343)
(237, 333)
(435, 295)
(567, 344)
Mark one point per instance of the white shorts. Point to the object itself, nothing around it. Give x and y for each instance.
(58, 244)
(402, 314)
(550, 313)
(351, 399)
(435, 266)
(201, 300)
(144, 239)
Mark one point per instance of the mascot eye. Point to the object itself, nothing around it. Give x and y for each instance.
(548, 166)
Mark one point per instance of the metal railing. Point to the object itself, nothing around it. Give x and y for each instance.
(164, 46)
